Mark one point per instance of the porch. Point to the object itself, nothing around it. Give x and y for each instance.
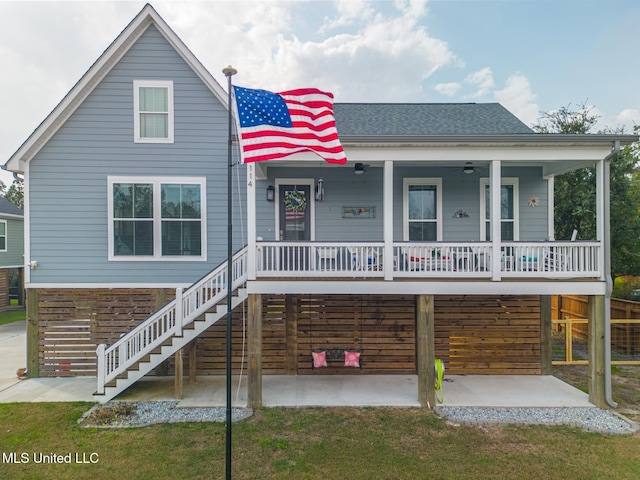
(412, 260)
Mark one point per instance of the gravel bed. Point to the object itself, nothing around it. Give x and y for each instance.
(149, 413)
(590, 419)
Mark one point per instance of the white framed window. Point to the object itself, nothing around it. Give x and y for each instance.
(3, 236)
(509, 208)
(153, 111)
(157, 218)
(422, 209)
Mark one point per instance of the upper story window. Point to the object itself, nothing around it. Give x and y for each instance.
(3, 235)
(422, 208)
(509, 226)
(153, 111)
(157, 218)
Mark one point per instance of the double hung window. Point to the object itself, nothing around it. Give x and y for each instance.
(156, 218)
(3, 235)
(153, 111)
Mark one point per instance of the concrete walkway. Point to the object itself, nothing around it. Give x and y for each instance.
(13, 347)
(289, 391)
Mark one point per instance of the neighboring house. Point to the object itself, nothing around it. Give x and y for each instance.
(393, 256)
(11, 253)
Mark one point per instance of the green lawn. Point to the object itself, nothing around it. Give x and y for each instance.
(12, 316)
(336, 443)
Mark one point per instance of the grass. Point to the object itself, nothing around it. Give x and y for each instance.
(12, 316)
(278, 443)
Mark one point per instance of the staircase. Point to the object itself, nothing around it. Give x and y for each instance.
(136, 353)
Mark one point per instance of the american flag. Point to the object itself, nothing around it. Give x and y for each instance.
(275, 125)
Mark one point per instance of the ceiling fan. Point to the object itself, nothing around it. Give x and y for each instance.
(360, 168)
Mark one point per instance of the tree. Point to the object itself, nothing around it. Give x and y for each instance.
(15, 193)
(575, 192)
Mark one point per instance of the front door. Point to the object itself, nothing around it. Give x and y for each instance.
(295, 225)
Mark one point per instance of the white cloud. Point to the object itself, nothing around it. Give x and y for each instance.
(448, 89)
(629, 118)
(349, 12)
(482, 80)
(381, 57)
(518, 98)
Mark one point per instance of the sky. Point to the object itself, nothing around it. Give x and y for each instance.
(532, 56)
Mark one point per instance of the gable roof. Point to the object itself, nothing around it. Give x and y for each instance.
(109, 58)
(8, 208)
(426, 119)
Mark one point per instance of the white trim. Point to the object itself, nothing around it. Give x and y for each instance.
(551, 216)
(376, 287)
(137, 84)
(387, 216)
(157, 182)
(311, 201)
(26, 191)
(10, 216)
(602, 230)
(86, 286)
(513, 181)
(6, 236)
(409, 181)
(251, 221)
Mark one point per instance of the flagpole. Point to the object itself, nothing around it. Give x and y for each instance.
(229, 72)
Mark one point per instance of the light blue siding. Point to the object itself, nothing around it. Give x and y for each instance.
(68, 177)
(460, 191)
(14, 256)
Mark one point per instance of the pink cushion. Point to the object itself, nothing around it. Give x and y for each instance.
(352, 359)
(319, 359)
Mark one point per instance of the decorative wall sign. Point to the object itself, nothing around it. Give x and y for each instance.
(358, 212)
(460, 214)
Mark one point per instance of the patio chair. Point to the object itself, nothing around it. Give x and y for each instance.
(364, 259)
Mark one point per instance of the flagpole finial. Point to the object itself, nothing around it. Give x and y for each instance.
(229, 71)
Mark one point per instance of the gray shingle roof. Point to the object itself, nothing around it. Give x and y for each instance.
(426, 119)
(8, 208)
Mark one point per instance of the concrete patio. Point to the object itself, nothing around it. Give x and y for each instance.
(319, 390)
(289, 391)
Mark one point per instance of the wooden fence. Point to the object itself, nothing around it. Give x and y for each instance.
(570, 334)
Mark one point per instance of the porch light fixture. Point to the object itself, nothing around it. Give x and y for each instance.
(468, 168)
(271, 193)
(359, 168)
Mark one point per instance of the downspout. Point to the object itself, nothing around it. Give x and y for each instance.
(607, 271)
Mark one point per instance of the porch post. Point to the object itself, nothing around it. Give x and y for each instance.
(596, 351)
(496, 219)
(425, 356)
(551, 225)
(254, 346)
(251, 222)
(388, 220)
(601, 231)
(545, 335)
(33, 321)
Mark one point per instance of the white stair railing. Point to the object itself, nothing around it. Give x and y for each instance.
(169, 320)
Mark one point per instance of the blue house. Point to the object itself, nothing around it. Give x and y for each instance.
(11, 252)
(434, 240)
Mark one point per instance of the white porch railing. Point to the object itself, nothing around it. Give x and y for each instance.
(429, 259)
(551, 259)
(169, 320)
(328, 259)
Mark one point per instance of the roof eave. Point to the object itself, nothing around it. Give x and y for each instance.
(530, 138)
